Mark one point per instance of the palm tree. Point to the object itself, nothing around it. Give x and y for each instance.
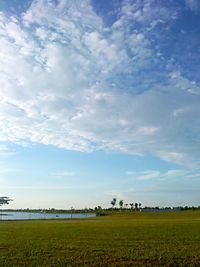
(121, 203)
(113, 202)
(132, 205)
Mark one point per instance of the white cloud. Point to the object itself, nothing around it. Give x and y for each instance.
(194, 5)
(64, 174)
(145, 175)
(5, 151)
(146, 11)
(149, 175)
(165, 175)
(70, 81)
(8, 170)
(4, 148)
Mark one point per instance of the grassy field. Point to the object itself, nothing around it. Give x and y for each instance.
(131, 239)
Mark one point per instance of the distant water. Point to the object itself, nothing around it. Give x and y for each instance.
(17, 215)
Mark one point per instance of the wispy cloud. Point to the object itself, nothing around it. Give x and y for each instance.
(6, 151)
(26, 187)
(165, 175)
(63, 174)
(193, 5)
(3, 148)
(8, 170)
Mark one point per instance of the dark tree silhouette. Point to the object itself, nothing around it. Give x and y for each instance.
(113, 202)
(121, 203)
(4, 200)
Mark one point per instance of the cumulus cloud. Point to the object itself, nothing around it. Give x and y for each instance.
(69, 80)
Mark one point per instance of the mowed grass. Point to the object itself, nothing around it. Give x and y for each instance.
(126, 239)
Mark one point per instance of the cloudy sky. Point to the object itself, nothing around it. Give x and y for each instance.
(99, 99)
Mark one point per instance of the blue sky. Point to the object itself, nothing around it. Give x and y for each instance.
(99, 99)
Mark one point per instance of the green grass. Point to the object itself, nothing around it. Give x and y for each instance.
(131, 239)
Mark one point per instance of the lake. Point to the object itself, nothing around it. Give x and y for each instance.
(17, 215)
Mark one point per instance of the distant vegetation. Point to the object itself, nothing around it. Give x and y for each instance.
(115, 206)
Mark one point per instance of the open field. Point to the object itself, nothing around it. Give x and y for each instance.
(131, 239)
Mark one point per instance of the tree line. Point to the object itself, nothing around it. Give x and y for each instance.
(136, 206)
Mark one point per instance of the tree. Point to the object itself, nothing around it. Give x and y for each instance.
(121, 203)
(98, 208)
(140, 206)
(4, 200)
(136, 206)
(113, 202)
(132, 205)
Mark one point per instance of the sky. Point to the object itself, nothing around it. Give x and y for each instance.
(99, 99)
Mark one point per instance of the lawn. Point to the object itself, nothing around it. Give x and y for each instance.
(123, 239)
